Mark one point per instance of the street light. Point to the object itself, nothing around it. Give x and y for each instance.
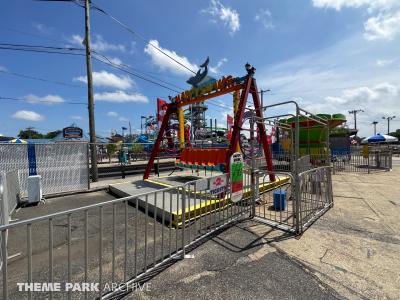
(374, 123)
(388, 121)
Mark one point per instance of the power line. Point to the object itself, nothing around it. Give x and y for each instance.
(41, 101)
(41, 79)
(136, 75)
(32, 34)
(123, 66)
(126, 27)
(99, 57)
(41, 47)
(59, 50)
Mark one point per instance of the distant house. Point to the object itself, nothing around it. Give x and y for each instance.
(71, 133)
(75, 134)
(4, 139)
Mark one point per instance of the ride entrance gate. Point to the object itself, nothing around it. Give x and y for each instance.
(301, 160)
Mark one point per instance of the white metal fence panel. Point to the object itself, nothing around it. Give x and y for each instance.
(9, 197)
(63, 167)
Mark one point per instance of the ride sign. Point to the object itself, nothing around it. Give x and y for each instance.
(217, 185)
(236, 167)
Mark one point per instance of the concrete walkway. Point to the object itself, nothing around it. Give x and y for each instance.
(355, 247)
(352, 252)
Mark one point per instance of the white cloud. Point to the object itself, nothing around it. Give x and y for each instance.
(132, 49)
(27, 115)
(112, 114)
(217, 68)
(264, 16)
(49, 99)
(121, 97)
(227, 15)
(384, 62)
(3, 68)
(338, 79)
(384, 26)
(76, 118)
(364, 96)
(383, 22)
(98, 43)
(106, 79)
(123, 119)
(115, 60)
(42, 28)
(165, 63)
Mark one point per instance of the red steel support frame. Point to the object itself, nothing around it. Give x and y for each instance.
(261, 129)
(170, 110)
(249, 86)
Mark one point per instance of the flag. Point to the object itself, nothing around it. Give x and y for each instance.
(229, 122)
(124, 128)
(161, 109)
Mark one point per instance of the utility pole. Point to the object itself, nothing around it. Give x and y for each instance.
(355, 112)
(388, 120)
(374, 123)
(92, 131)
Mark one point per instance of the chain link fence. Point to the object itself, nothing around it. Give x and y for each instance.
(63, 167)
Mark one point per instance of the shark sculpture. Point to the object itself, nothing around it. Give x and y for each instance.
(201, 78)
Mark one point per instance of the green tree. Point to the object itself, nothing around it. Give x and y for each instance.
(339, 131)
(52, 134)
(137, 149)
(29, 133)
(111, 149)
(396, 134)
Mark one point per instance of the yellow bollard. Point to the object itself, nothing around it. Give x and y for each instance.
(236, 98)
(181, 129)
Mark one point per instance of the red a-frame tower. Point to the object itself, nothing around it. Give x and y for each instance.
(246, 85)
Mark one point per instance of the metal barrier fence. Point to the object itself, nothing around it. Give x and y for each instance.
(300, 201)
(63, 166)
(118, 241)
(363, 159)
(315, 195)
(9, 198)
(10, 192)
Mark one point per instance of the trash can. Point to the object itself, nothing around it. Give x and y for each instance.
(279, 200)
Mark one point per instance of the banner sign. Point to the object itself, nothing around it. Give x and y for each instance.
(236, 167)
(32, 159)
(72, 133)
(161, 109)
(218, 185)
(229, 122)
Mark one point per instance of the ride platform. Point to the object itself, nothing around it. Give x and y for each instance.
(164, 197)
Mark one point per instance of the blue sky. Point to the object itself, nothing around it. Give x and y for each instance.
(329, 55)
